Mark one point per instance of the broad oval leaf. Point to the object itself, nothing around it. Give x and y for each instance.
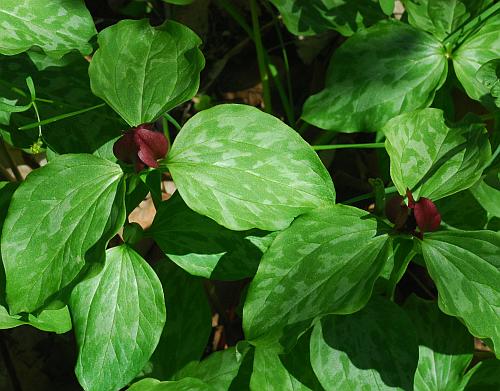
(373, 349)
(118, 315)
(432, 159)
(311, 17)
(57, 26)
(326, 262)
(441, 18)
(63, 210)
(376, 74)
(220, 368)
(477, 50)
(189, 319)
(246, 169)
(292, 371)
(466, 270)
(143, 71)
(445, 347)
(201, 246)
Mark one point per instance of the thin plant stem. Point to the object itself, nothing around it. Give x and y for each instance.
(60, 117)
(38, 118)
(348, 146)
(261, 57)
(388, 190)
(173, 121)
(231, 10)
(166, 132)
(471, 22)
(12, 164)
(489, 116)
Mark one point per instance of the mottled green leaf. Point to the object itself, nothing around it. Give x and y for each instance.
(143, 71)
(432, 159)
(201, 246)
(487, 193)
(218, 370)
(326, 262)
(486, 377)
(445, 347)
(57, 26)
(442, 17)
(309, 17)
(477, 50)
(246, 169)
(373, 349)
(291, 371)
(376, 74)
(466, 270)
(61, 211)
(489, 76)
(185, 337)
(118, 315)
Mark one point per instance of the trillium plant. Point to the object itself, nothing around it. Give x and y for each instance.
(254, 272)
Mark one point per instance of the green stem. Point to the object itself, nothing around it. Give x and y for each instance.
(235, 14)
(173, 121)
(472, 22)
(60, 117)
(348, 146)
(388, 190)
(261, 57)
(489, 116)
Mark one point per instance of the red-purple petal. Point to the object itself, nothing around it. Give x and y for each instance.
(152, 145)
(427, 215)
(125, 149)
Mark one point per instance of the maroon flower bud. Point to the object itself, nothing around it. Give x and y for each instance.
(427, 215)
(396, 211)
(141, 146)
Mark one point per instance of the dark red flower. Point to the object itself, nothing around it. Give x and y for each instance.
(141, 146)
(427, 215)
(396, 211)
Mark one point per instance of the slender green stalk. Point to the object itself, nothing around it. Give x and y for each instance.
(486, 117)
(35, 107)
(236, 15)
(388, 190)
(173, 121)
(471, 22)
(348, 146)
(60, 117)
(166, 132)
(281, 91)
(261, 57)
(12, 164)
